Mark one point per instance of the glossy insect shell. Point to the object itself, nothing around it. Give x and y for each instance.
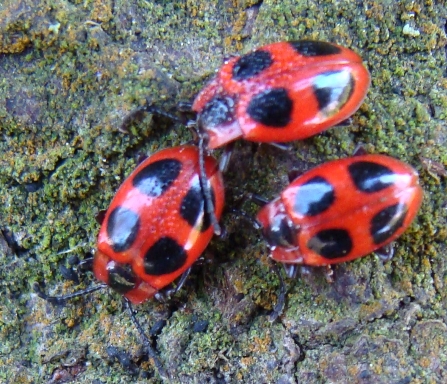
(282, 92)
(341, 210)
(156, 226)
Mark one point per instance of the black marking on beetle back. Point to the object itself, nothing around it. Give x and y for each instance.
(332, 90)
(387, 222)
(192, 207)
(311, 48)
(272, 108)
(331, 243)
(165, 256)
(251, 64)
(371, 177)
(314, 197)
(122, 228)
(217, 112)
(154, 179)
(122, 279)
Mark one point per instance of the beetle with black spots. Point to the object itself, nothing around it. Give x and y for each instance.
(156, 226)
(340, 211)
(281, 92)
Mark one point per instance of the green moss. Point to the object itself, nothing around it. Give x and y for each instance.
(67, 89)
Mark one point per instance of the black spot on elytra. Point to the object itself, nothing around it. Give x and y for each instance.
(122, 228)
(122, 279)
(272, 108)
(165, 256)
(192, 207)
(332, 90)
(154, 179)
(314, 197)
(331, 243)
(217, 112)
(251, 65)
(311, 48)
(371, 177)
(385, 223)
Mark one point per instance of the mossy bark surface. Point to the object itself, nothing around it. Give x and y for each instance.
(70, 73)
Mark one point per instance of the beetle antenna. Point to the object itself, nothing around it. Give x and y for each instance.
(62, 299)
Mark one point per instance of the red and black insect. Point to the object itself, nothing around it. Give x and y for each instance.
(156, 227)
(341, 210)
(281, 92)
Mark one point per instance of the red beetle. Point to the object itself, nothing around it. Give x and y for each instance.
(341, 210)
(281, 92)
(156, 226)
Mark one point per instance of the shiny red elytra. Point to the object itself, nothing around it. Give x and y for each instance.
(341, 210)
(281, 92)
(156, 226)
